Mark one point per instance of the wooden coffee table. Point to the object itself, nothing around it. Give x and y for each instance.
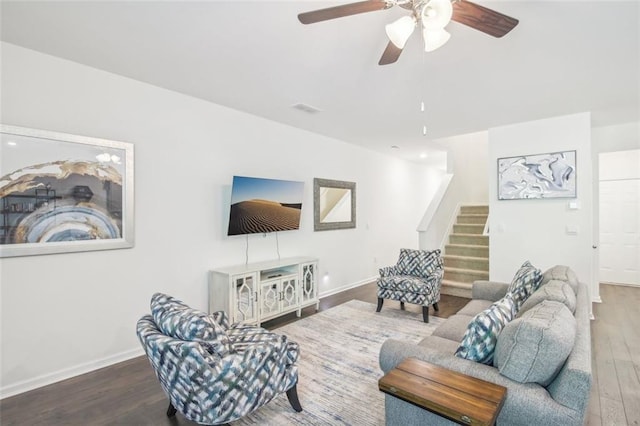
(456, 396)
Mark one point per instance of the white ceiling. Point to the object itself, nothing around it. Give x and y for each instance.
(564, 57)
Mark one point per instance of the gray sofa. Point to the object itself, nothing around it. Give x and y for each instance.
(560, 400)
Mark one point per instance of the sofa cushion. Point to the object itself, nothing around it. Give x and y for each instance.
(479, 340)
(561, 273)
(453, 328)
(406, 284)
(524, 283)
(534, 347)
(474, 307)
(177, 320)
(419, 263)
(440, 344)
(560, 291)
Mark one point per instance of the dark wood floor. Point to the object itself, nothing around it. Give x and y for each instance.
(128, 393)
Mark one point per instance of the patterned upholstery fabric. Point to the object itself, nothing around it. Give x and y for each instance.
(416, 278)
(211, 389)
(177, 320)
(245, 336)
(420, 263)
(524, 283)
(479, 341)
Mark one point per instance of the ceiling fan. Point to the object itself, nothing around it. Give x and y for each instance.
(431, 15)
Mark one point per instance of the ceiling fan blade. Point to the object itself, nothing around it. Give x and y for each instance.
(482, 19)
(344, 10)
(390, 55)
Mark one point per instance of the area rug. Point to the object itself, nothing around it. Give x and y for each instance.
(338, 369)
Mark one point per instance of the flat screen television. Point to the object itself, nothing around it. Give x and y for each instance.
(261, 205)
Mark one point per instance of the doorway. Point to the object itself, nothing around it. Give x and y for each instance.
(619, 186)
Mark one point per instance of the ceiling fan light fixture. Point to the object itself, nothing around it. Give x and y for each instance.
(434, 39)
(436, 14)
(400, 30)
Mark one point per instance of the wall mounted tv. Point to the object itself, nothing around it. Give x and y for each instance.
(264, 205)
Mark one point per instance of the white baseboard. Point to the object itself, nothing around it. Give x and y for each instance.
(347, 287)
(67, 373)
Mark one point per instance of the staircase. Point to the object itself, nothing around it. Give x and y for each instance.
(466, 257)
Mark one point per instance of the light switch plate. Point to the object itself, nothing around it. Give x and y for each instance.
(572, 229)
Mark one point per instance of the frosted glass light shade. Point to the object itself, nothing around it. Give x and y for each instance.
(436, 14)
(400, 30)
(434, 39)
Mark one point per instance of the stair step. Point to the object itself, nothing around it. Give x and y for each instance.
(464, 275)
(472, 218)
(467, 262)
(468, 229)
(455, 288)
(474, 209)
(466, 250)
(469, 239)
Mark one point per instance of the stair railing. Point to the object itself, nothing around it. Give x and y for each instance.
(449, 230)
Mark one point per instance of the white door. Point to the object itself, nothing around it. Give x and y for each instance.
(619, 225)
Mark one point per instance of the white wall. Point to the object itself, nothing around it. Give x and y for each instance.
(467, 162)
(535, 230)
(70, 313)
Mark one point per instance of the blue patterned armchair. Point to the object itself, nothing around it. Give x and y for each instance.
(213, 372)
(416, 278)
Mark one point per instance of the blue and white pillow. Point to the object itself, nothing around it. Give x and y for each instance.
(479, 341)
(525, 282)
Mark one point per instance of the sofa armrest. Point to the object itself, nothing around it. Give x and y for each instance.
(489, 290)
(526, 403)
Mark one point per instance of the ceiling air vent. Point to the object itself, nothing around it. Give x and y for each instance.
(306, 108)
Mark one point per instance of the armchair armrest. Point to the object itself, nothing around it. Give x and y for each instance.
(245, 337)
(255, 357)
(434, 278)
(220, 317)
(388, 271)
(489, 290)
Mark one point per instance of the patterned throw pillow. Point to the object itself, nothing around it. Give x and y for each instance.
(177, 320)
(479, 341)
(524, 283)
(419, 263)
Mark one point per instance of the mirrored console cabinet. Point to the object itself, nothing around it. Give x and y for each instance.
(256, 292)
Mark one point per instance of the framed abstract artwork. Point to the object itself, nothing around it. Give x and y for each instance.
(551, 175)
(63, 193)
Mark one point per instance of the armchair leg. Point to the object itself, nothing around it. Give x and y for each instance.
(402, 305)
(425, 313)
(380, 302)
(292, 395)
(171, 411)
(435, 306)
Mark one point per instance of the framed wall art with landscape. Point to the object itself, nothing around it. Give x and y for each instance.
(551, 175)
(63, 193)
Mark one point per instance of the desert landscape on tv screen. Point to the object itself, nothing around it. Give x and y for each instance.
(264, 205)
